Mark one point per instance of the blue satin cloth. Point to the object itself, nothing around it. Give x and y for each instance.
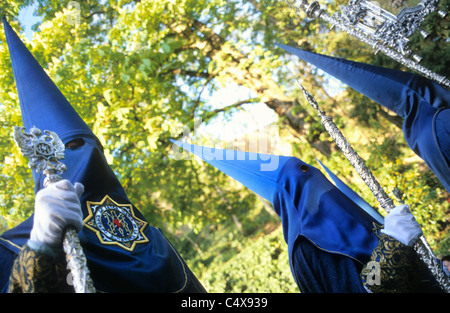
(424, 105)
(353, 195)
(152, 265)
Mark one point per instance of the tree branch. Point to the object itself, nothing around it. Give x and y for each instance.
(211, 114)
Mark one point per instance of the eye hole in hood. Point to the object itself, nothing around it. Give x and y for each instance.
(76, 143)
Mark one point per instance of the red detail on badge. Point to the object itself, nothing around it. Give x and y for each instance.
(115, 224)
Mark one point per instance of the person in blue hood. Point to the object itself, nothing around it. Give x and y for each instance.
(332, 241)
(124, 252)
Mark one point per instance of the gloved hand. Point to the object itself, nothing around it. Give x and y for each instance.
(401, 225)
(56, 207)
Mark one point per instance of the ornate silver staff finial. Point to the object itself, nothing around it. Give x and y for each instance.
(422, 247)
(45, 151)
(379, 37)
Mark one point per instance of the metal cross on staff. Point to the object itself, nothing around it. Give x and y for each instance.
(421, 247)
(45, 151)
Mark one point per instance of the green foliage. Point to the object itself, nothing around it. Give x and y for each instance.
(262, 266)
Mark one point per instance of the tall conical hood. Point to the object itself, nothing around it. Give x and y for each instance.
(41, 102)
(385, 86)
(307, 203)
(256, 171)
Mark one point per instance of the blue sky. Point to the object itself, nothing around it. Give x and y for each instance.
(27, 18)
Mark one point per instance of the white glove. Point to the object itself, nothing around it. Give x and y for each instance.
(401, 225)
(56, 207)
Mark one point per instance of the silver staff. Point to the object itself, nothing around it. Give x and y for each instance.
(422, 247)
(45, 150)
(313, 10)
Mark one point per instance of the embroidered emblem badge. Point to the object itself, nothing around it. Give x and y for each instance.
(115, 224)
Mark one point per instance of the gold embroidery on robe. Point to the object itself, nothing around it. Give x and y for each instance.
(397, 266)
(36, 272)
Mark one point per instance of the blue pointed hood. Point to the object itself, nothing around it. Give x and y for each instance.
(41, 102)
(115, 232)
(385, 86)
(423, 104)
(307, 203)
(256, 171)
